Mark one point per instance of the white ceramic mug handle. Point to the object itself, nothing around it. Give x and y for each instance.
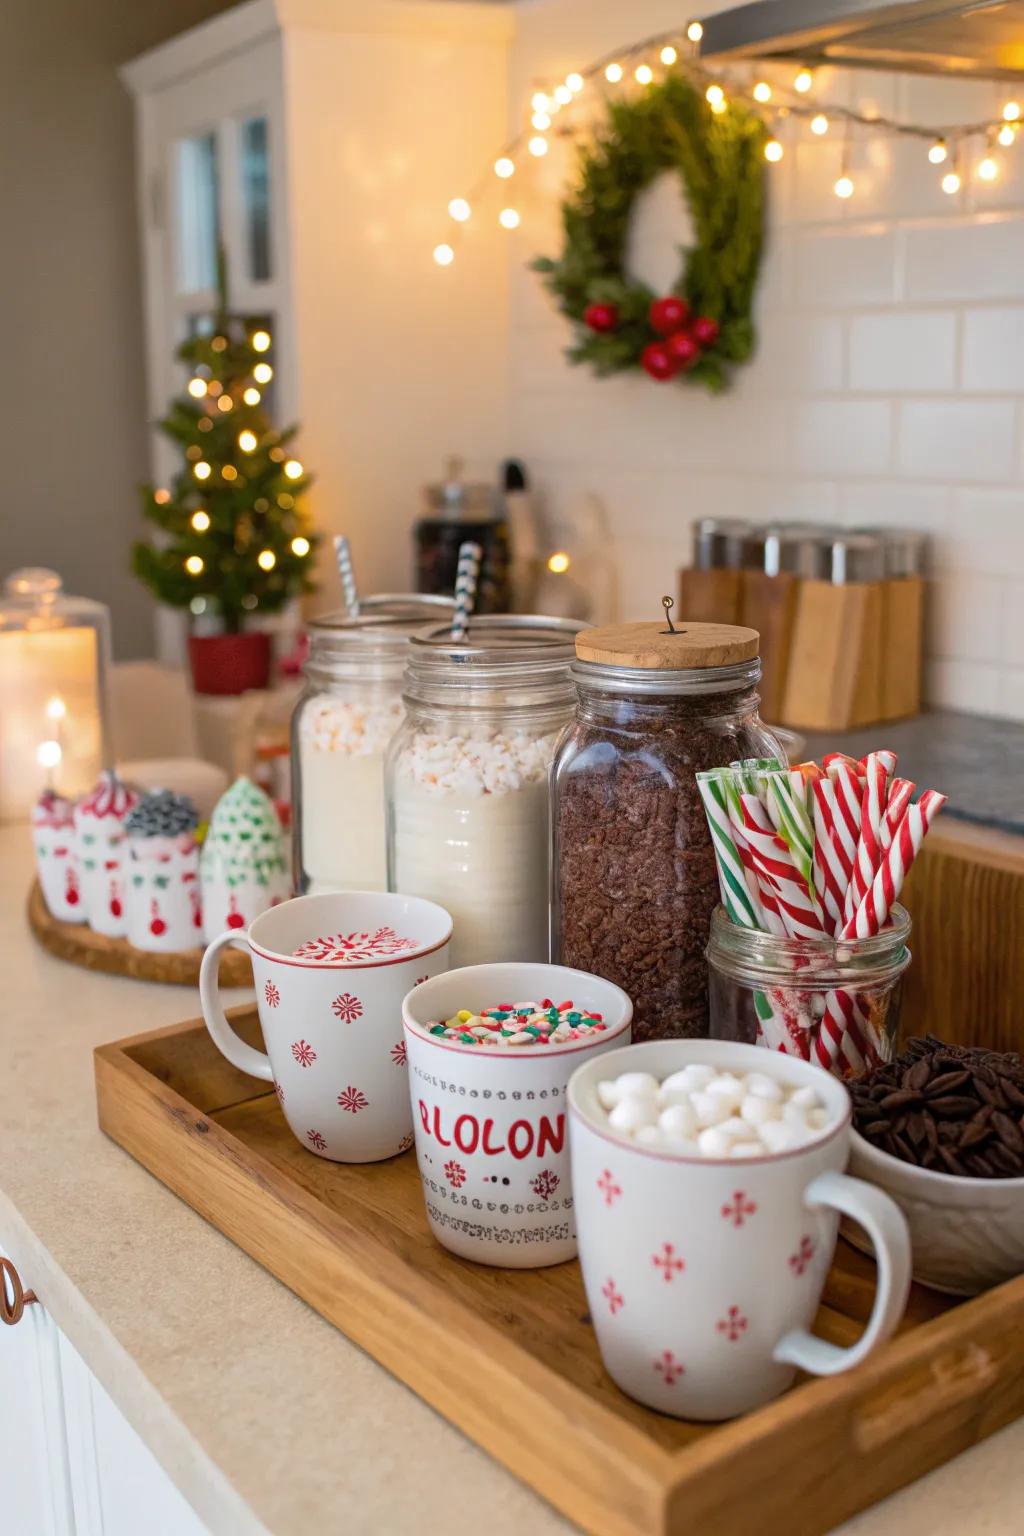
(245, 1057)
(886, 1226)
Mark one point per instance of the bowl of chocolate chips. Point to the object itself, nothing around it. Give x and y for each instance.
(941, 1129)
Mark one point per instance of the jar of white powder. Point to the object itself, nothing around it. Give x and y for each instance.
(351, 707)
(467, 779)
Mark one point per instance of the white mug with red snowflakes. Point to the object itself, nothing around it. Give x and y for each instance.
(101, 853)
(704, 1274)
(331, 972)
(490, 1120)
(53, 833)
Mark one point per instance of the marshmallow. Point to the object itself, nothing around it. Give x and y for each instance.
(756, 1109)
(712, 1143)
(637, 1085)
(711, 1109)
(807, 1098)
(690, 1078)
(727, 1088)
(631, 1114)
(679, 1122)
(746, 1149)
(763, 1087)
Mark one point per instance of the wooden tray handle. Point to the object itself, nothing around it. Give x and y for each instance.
(13, 1296)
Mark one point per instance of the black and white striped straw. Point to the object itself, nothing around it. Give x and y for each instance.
(470, 555)
(343, 555)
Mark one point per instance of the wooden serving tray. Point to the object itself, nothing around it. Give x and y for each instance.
(81, 945)
(490, 1348)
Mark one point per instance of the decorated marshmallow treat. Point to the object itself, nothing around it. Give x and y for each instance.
(164, 904)
(243, 867)
(53, 833)
(99, 846)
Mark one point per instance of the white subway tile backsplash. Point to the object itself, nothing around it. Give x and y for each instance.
(969, 685)
(963, 617)
(978, 259)
(985, 532)
(804, 349)
(892, 504)
(1009, 700)
(1011, 624)
(956, 439)
(993, 346)
(843, 268)
(843, 437)
(903, 352)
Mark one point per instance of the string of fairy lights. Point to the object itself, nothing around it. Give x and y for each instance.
(643, 63)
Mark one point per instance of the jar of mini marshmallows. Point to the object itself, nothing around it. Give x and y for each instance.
(349, 711)
(467, 779)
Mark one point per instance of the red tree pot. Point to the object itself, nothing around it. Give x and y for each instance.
(229, 663)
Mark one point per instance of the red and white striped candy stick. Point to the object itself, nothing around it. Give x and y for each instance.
(834, 850)
(900, 793)
(869, 843)
(884, 756)
(849, 794)
(841, 1034)
(873, 912)
(777, 872)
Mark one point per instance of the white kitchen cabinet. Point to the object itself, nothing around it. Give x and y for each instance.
(70, 1463)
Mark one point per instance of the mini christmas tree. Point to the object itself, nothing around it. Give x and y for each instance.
(233, 532)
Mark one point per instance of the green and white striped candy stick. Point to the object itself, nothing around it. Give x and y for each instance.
(749, 769)
(736, 898)
(789, 815)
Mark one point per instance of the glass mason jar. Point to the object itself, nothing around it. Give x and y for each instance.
(634, 876)
(342, 723)
(834, 1002)
(467, 780)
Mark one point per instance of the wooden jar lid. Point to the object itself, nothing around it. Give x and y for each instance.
(653, 646)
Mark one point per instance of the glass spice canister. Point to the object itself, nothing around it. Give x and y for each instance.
(633, 868)
(341, 726)
(467, 779)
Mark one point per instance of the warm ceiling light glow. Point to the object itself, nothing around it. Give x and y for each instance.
(293, 469)
(218, 344)
(695, 31)
(201, 470)
(444, 255)
(48, 754)
(668, 54)
(843, 187)
(194, 565)
(504, 167)
(266, 559)
(558, 563)
(200, 521)
(247, 441)
(1006, 136)
(762, 91)
(459, 209)
(263, 373)
(161, 496)
(508, 218)
(1011, 112)
(718, 107)
(714, 94)
(229, 472)
(951, 183)
(251, 396)
(773, 150)
(56, 709)
(938, 152)
(803, 81)
(563, 95)
(225, 403)
(540, 120)
(574, 81)
(644, 74)
(538, 146)
(613, 73)
(261, 341)
(197, 388)
(819, 124)
(540, 102)
(988, 169)
(300, 546)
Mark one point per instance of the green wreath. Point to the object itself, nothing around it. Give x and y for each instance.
(704, 327)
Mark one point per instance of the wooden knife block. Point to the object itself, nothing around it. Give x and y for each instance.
(710, 597)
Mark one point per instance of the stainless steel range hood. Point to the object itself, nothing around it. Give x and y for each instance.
(933, 36)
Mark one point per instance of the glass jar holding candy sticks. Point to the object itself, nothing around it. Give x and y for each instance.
(810, 943)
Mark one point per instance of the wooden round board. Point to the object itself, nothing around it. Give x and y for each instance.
(77, 943)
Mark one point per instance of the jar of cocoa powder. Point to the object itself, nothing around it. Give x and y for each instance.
(633, 869)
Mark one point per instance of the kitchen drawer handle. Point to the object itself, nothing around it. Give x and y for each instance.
(13, 1297)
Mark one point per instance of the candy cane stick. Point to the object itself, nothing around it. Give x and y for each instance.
(777, 872)
(873, 912)
(869, 843)
(834, 851)
(900, 793)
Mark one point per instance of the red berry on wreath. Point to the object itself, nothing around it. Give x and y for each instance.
(601, 317)
(683, 349)
(705, 330)
(656, 361)
(669, 314)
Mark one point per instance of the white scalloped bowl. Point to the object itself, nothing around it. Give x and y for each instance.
(967, 1235)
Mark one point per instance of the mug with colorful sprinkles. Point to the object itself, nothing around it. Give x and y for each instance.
(520, 1024)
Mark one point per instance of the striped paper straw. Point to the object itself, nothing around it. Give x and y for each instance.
(873, 912)
(470, 555)
(343, 555)
(736, 897)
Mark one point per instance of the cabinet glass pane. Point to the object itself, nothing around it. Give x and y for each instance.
(256, 197)
(197, 222)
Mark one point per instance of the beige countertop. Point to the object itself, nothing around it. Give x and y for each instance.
(264, 1415)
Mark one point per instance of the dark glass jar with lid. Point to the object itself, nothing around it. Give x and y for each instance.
(458, 511)
(633, 868)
